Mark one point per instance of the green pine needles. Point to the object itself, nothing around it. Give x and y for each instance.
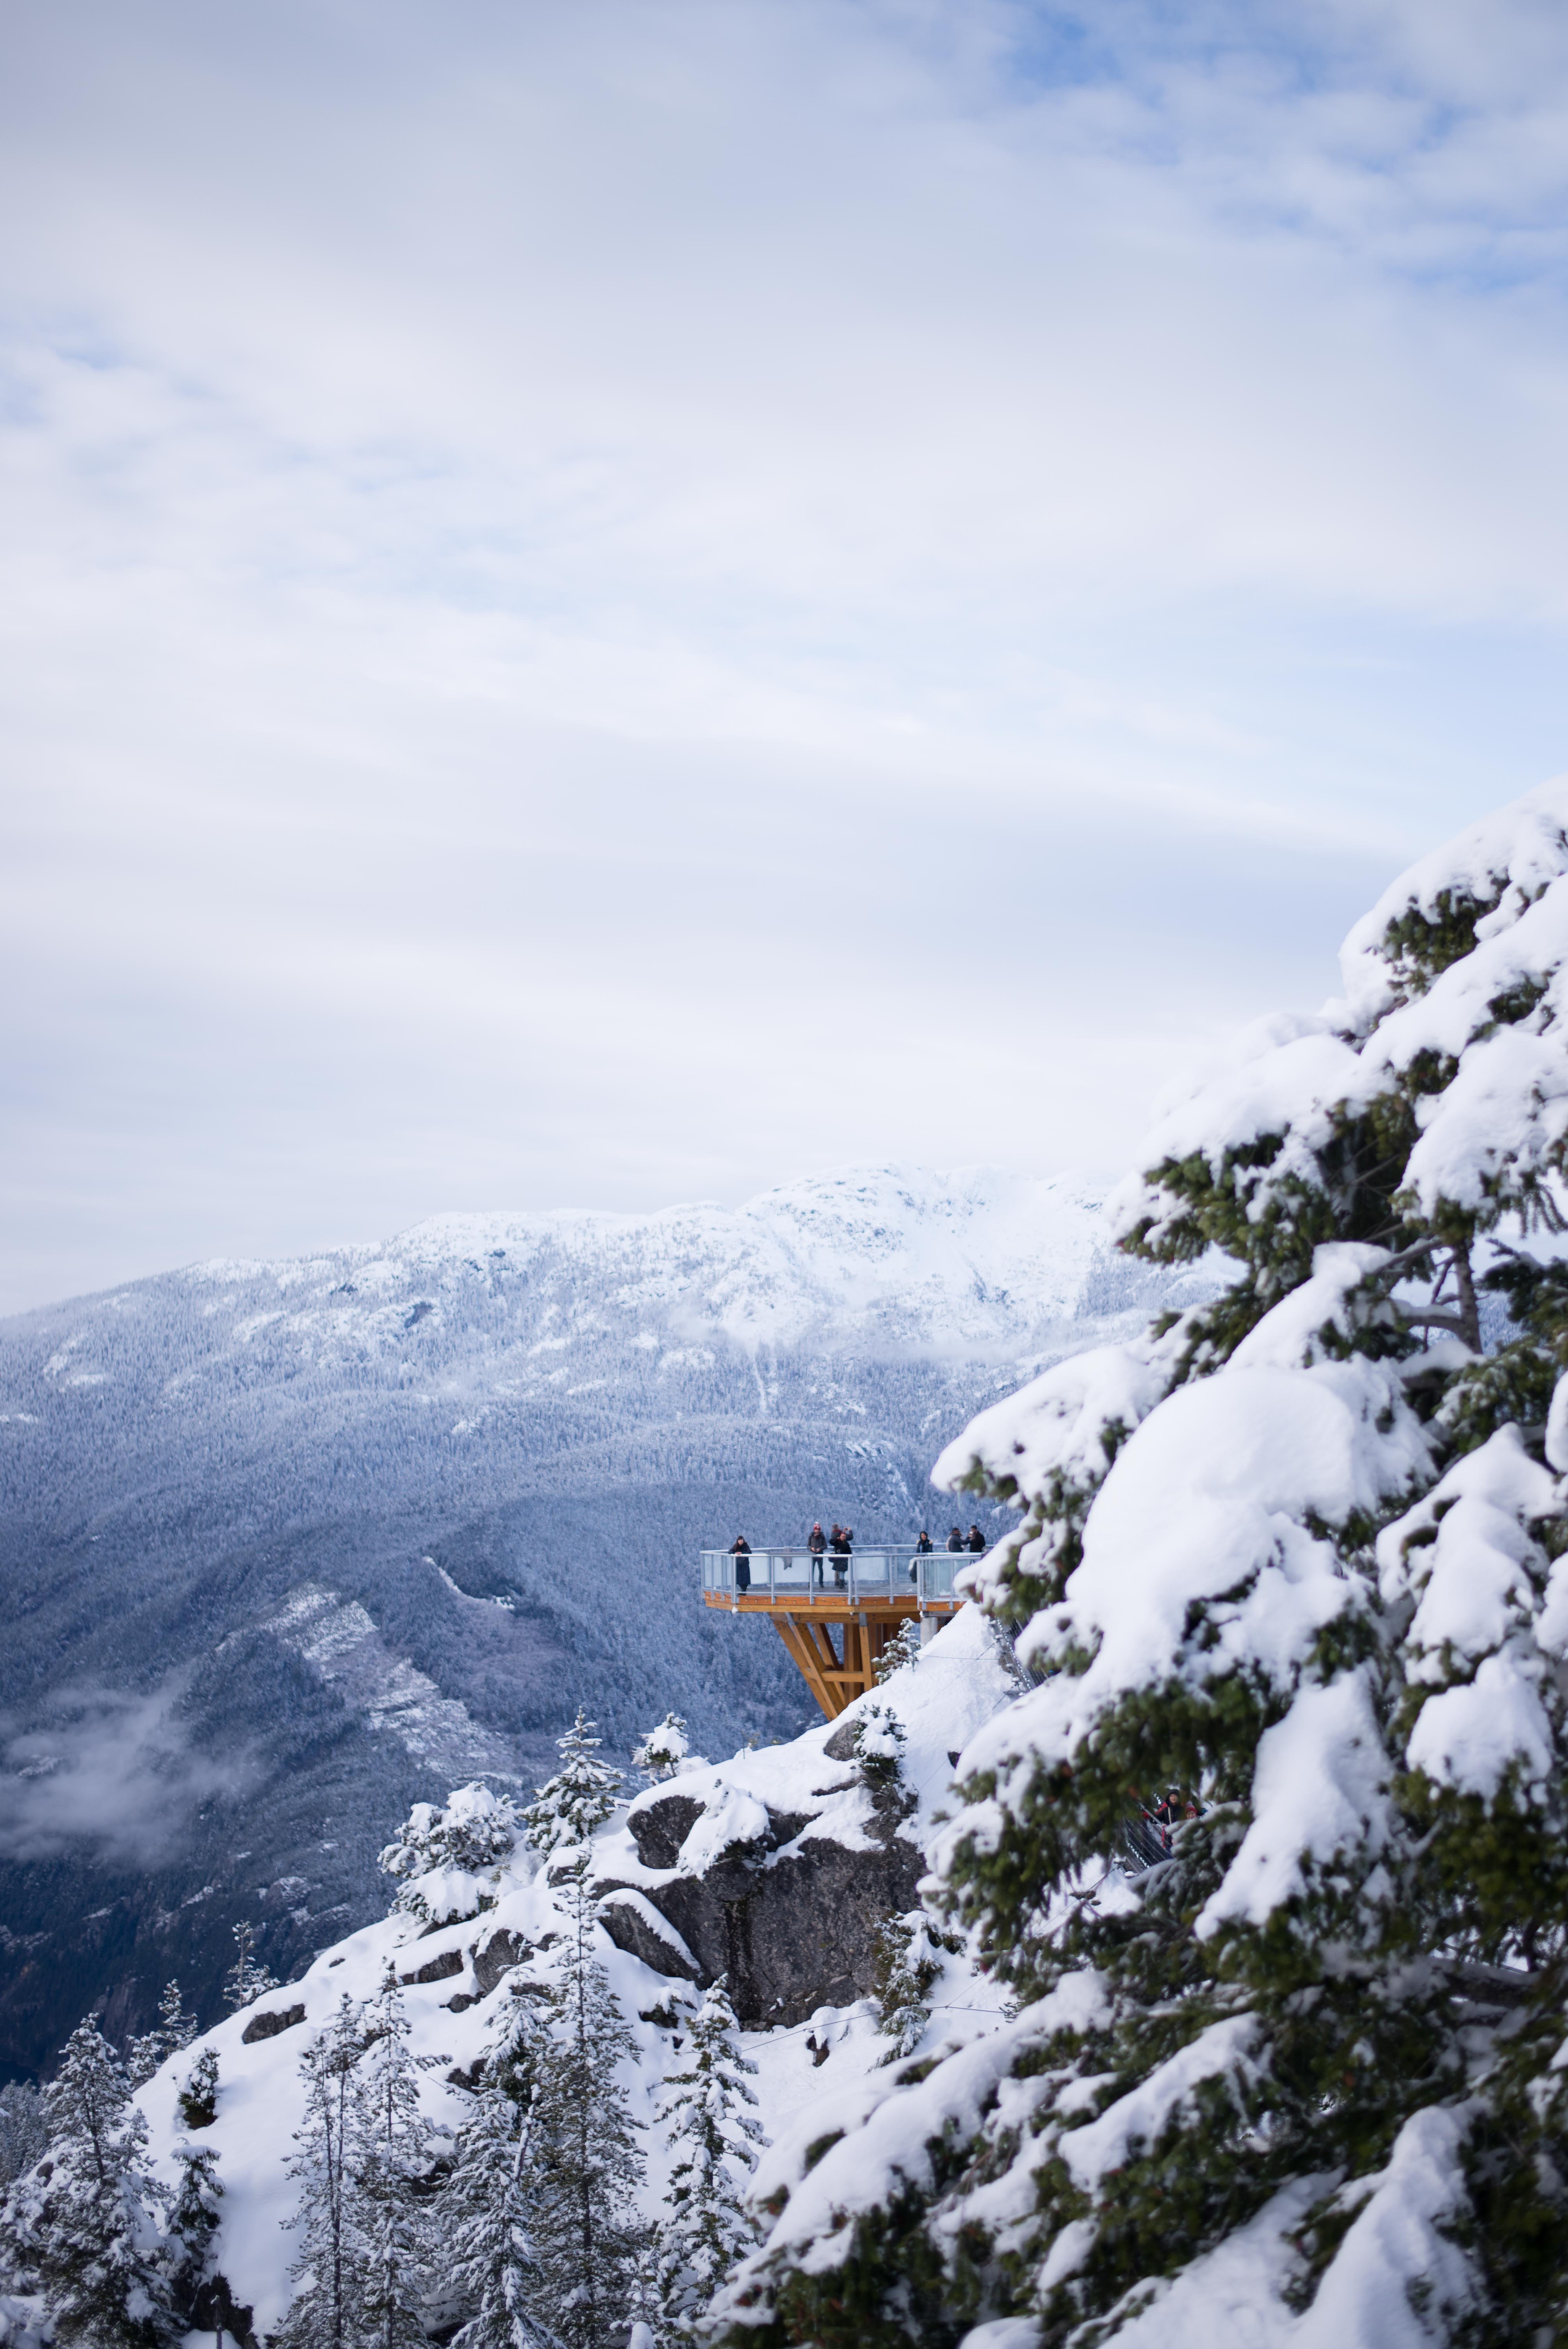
(579, 1798)
(708, 2108)
(1294, 1571)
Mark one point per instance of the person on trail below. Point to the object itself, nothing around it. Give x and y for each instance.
(955, 1539)
(977, 1540)
(817, 1544)
(741, 1551)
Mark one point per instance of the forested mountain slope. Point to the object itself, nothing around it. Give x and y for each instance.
(287, 1546)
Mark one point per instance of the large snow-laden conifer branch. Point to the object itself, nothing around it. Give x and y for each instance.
(1286, 1573)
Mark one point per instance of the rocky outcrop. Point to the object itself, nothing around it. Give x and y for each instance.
(434, 1970)
(496, 1957)
(789, 1918)
(268, 2025)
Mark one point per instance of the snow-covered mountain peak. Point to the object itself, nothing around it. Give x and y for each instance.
(973, 1260)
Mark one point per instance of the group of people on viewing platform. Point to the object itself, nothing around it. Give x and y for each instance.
(837, 1547)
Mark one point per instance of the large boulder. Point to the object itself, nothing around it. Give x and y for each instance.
(790, 1916)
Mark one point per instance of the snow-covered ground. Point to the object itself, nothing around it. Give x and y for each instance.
(953, 1689)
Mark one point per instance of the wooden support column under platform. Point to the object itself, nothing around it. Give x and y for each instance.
(835, 1673)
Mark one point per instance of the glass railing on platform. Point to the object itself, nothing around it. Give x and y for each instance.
(797, 1578)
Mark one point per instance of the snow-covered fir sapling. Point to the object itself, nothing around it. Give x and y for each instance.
(173, 2030)
(1302, 1554)
(82, 2227)
(446, 1857)
(901, 1652)
(663, 1750)
(198, 2099)
(583, 2217)
(486, 2216)
(909, 1962)
(328, 2222)
(879, 1739)
(23, 2136)
(193, 2221)
(247, 1979)
(570, 1807)
(390, 2156)
(708, 2108)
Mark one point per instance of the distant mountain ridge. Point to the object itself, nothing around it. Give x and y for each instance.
(286, 1546)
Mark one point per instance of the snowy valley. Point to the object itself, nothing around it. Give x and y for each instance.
(290, 1547)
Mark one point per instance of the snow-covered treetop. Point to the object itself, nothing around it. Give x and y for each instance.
(663, 1750)
(581, 1796)
(446, 1855)
(1435, 1089)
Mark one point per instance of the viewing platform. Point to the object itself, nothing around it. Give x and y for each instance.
(835, 1615)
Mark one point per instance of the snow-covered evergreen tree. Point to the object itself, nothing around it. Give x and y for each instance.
(880, 1740)
(389, 2158)
(1299, 1560)
(247, 1979)
(707, 2109)
(581, 1796)
(447, 1856)
(329, 2263)
(903, 1650)
(663, 1750)
(173, 2030)
(485, 2214)
(24, 2137)
(584, 2218)
(908, 1963)
(198, 2098)
(82, 2226)
(193, 2221)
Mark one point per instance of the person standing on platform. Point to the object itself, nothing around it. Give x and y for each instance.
(977, 1540)
(741, 1551)
(817, 1544)
(956, 1540)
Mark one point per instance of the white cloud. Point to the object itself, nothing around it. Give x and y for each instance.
(113, 1772)
(506, 515)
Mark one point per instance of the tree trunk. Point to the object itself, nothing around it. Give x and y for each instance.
(1469, 1311)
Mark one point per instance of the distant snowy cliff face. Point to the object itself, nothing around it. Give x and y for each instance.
(286, 1547)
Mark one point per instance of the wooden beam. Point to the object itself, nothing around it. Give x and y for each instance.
(803, 1647)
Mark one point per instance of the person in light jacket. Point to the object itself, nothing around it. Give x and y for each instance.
(817, 1543)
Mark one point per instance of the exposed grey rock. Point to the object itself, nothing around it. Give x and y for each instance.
(495, 1957)
(268, 2025)
(434, 1970)
(633, 1924)
(659, 1827)
(792, 1921)
(840, 1746)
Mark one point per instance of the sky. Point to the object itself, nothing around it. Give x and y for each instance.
(617, 601)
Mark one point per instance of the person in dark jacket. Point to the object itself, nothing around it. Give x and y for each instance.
(955, 1539)
(842, 1544)
(817, 1543)
(977, 1540)
(741, 1551)
(923, 1543)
